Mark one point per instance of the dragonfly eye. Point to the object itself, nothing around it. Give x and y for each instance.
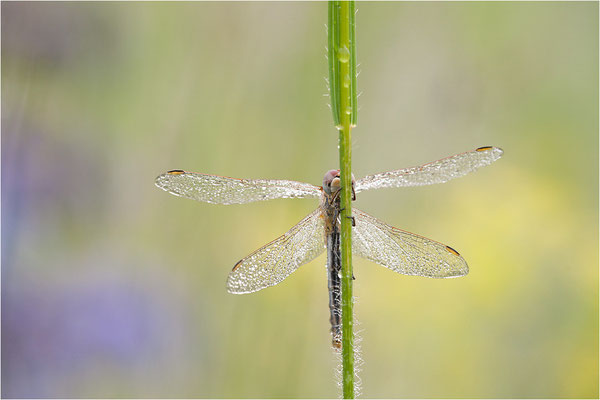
(331, 181)
(329, 178)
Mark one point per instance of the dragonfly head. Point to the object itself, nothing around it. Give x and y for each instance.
(331, 181)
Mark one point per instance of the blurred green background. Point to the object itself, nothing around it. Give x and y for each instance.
(113, 288)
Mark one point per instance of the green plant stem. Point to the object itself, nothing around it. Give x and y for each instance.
(342, 82)
(346, 252)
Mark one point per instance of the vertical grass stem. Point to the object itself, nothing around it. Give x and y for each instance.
(342, 84)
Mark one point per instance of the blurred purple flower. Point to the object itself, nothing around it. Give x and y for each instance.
(48, 333)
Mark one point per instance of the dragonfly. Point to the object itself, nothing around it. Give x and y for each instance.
(400, 251)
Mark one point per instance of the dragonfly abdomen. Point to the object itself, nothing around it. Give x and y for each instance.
(334, 286)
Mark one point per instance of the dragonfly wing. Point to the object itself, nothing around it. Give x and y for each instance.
(402, 251)
(274, 262)
(223, 190)
(435, 172)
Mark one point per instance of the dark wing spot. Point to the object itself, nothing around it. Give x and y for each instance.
(451, 250)
(484, 148)
(176, 172)
(237, 264)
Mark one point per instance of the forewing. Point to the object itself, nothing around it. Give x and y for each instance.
(402, 251)
(223, 190)
(435, 172)
(274, 262)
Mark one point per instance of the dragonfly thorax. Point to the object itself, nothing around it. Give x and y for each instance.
(331, 181)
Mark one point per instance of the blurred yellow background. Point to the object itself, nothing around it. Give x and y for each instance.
(113, 288)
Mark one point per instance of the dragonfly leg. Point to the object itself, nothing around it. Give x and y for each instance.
(336, 196)
(349, 216)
